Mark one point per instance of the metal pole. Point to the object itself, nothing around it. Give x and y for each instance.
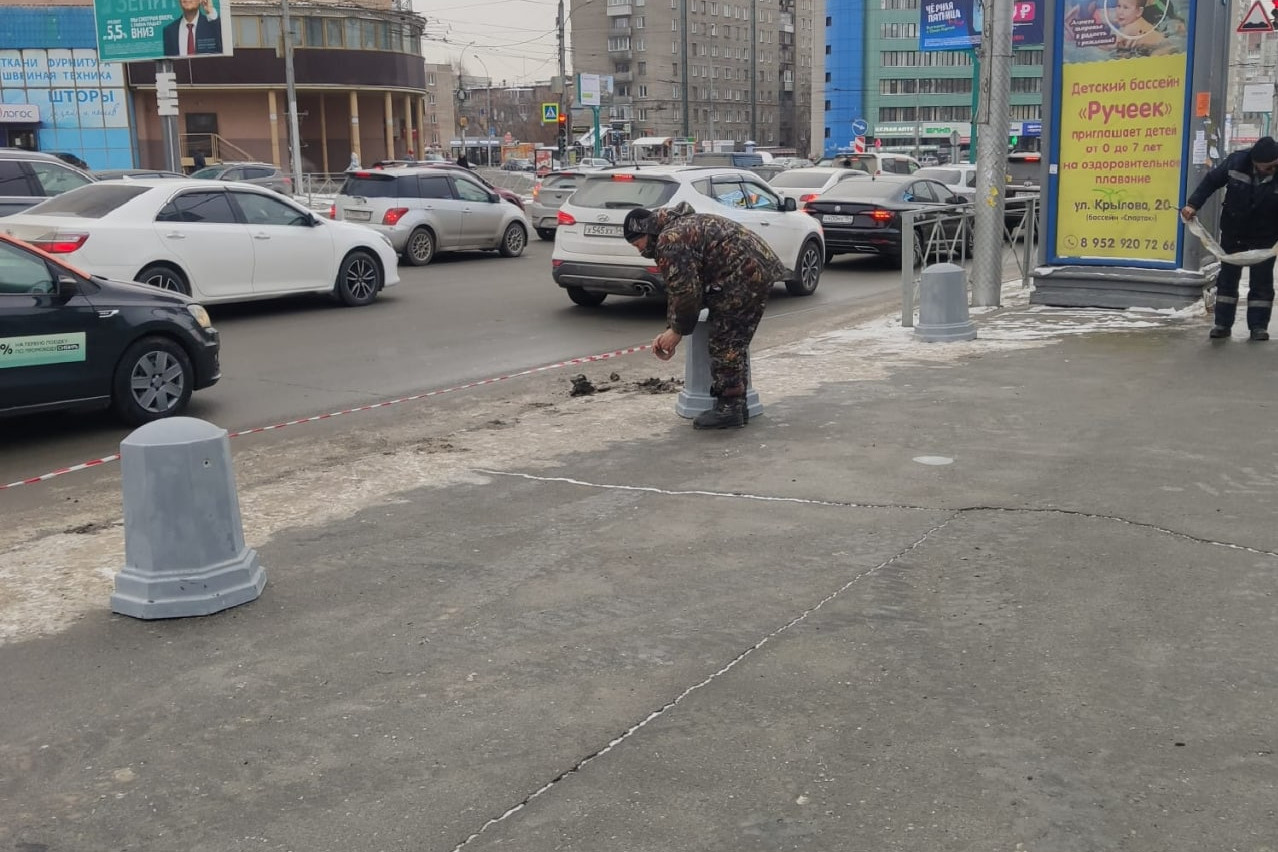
(907, 269)
(492, 127)
(562, 141)
(991, 159)
(169, 124)
(294, 133)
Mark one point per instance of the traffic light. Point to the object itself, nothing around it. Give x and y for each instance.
(563, 134)
(1013, 141)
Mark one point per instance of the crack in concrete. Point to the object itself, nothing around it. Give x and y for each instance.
(660, 711)
(713, 676)
(847, 504)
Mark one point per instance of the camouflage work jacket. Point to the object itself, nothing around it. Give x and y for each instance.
(711, 261)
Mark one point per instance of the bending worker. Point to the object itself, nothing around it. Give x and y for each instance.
(1248, 220)
(709, 262)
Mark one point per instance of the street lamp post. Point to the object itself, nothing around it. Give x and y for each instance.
(492, 130)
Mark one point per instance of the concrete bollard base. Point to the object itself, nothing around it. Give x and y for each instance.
(943, 314)
(184, 548)
(695, 396)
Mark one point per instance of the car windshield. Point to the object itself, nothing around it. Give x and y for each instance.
(210, 173)
(624, 190)
(368, 185)
(1024, 170)
(89, 202)
(869, 190)
(795, 179)
(562, 181)
(950, 176)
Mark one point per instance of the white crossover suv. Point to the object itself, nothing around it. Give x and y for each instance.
(592, 260)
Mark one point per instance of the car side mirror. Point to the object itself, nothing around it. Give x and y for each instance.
(957, 199)
(67, 286)
(789, 204)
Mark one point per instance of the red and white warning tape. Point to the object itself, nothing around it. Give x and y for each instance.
(588, 359)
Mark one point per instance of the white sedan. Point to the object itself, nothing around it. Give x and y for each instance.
(224, 242)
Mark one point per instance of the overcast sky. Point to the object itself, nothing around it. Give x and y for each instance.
(514, 39)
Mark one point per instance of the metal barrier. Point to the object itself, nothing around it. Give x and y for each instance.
(1020, 219)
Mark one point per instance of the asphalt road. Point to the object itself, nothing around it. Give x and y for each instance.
(464, 318)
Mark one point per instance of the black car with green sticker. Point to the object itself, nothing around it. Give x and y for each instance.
(70, 340)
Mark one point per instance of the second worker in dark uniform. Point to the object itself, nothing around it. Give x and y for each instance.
(1248, 220)
(711, 262)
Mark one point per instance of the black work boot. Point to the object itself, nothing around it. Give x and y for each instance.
(1259, 334)
(1218, 331)
(728, 413)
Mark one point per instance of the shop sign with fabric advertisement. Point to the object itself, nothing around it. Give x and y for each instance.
(1122, 107)
(132, 30)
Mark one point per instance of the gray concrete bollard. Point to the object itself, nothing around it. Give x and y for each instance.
(943, 311)
(695, 396)
(184, 548)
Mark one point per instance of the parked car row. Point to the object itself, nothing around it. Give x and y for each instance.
(74, 334)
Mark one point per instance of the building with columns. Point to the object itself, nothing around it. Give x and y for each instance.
(361, 83)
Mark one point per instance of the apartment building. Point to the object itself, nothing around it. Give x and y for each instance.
(878, 84)
(702, 70)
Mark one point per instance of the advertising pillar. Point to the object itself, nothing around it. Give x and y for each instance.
(1127, 121)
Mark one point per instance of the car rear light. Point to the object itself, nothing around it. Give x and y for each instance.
(806, 197)
(623, 177)
(811, 211)
(362, 174)
(1033, 158)
(882, 215)
(393, 215)
(563, 218)
(60, 243)
(536, 191)
(288, 181)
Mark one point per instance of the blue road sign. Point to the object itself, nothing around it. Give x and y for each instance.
(859, 126)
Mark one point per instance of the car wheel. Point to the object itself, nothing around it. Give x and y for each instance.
(153, 379)
(807, 271)
(514, 240)
(585, 298)
(546, 233)
(164, 277)
(358, 279)
(420, 248)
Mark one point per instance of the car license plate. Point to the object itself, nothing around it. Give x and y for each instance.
(601, 230)
(833, 219)
(358, 215)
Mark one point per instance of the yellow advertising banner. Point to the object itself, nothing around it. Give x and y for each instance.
(1122, 131)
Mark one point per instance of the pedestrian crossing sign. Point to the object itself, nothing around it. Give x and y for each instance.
(550, 113)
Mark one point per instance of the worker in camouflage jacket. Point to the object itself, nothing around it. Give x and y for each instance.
(710, 262)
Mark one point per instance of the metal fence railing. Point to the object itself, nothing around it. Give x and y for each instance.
(938, 236)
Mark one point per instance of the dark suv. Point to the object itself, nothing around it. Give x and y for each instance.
(29, 177)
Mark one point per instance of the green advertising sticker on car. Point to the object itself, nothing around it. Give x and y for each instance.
(132, 30)
(41, 349)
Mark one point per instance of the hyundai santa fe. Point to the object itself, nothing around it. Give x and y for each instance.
(592, 260)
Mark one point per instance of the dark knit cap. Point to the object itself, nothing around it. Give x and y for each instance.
(1265, 150)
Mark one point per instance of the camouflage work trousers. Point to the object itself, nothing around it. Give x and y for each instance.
(732, 324)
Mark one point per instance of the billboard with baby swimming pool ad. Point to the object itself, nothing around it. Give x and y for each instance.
(1122, 131)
